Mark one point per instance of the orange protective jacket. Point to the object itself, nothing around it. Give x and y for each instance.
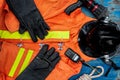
(53, 13)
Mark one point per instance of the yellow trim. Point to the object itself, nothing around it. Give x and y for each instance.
(51, 35)
(16, 62)
(58, 35)
(14, 35)
(1, 33)
(27, 60)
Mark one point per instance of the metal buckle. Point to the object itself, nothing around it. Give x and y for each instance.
(60, 46)
(41, 45)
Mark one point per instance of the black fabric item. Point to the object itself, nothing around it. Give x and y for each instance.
(97, 38)
(98, 10)
(111, 64)
(29, 17)
(41, 66)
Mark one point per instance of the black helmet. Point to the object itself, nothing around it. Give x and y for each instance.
(98, 38)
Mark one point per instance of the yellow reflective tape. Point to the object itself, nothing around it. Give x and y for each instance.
(26, 61)
(1, 32)
(51, 35)
(16, 62)
(58, 35)
(14, 35)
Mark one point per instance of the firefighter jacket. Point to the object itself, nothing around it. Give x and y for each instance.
(17, 50)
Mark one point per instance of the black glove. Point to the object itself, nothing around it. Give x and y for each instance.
(29, 17)
(41, 66)
(105, 37)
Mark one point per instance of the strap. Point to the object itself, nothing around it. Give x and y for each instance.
(111, 64)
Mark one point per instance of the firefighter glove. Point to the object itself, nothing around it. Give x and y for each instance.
(29, 17)
(41, 66)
